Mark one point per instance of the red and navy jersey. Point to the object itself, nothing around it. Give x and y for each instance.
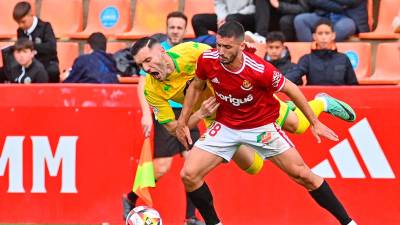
(245, 96)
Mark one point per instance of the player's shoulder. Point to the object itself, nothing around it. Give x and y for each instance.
(189, 47)
(209, 56)
(256, 63)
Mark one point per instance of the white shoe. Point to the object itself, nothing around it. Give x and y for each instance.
(352, 223)
(255, 37)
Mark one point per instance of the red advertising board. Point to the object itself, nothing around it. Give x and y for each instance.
(69, 152)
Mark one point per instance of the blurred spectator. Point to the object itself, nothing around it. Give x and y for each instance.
(27, 69)
(396, 23)
(42, 36)
(225, 10)
(324, 65)
(176, 29)
(277, 53)
(348, 16)
(96, 67)
(277, 15)
(288, 9)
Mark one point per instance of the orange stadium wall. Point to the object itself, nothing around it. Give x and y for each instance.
(69, 152)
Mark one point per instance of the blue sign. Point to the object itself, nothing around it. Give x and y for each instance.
(354, 59)
(109, 17)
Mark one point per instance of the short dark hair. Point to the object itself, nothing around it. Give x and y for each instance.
(177, 14)
(231, 29)
(275, 36)
(23, 43)
(141, 43)
(21, 9)
(323, 21)
(97, 41)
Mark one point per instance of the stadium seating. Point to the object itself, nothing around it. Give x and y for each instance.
(67, 21)
(298, 49)
(150, 18)
(387, 67)
(67, 53)
(3, 45)
(107, 16)
(359, 54)
(112, 47)
(370, 9)
(387, 11)
(193, 7)
(128, 80)
(8, 27)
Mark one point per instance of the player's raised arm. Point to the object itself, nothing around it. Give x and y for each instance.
(192, 95)
(300, 100)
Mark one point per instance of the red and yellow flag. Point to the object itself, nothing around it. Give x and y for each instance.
(145, 174)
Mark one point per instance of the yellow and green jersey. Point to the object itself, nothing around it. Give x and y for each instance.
(158, 93)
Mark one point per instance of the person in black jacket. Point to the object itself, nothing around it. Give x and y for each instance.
(42, 35)
(277, 53)
(348, 16)
(24, 69)
(96, 67)
(324, 65)
(288, 10)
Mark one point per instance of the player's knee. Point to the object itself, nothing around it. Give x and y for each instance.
(189, 177)
(302, 175)
(256, 166)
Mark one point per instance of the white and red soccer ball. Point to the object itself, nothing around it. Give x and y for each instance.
(143, 215)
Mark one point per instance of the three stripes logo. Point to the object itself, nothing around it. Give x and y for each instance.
(215, 80)
(346, 161)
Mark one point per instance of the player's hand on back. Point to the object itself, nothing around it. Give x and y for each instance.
(320, 129)
(147, 124)
(208, 107)
(250, 47)
(183, 134)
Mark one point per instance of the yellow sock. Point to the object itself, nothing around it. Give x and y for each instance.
(317, 107)
(256, 166)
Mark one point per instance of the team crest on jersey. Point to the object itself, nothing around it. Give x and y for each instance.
(247, 86)
(276, 78)
(264, 137)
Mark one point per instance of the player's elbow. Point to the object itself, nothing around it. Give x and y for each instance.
(290, 88)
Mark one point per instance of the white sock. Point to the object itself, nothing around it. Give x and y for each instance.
(352, 223)
(324, 101)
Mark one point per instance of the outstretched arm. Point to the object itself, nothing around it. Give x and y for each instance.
(208, 107)
(192, 96)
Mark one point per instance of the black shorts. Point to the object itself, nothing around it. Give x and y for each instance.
(166, 145)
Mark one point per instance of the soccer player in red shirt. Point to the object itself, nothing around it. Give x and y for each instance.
(244, 85)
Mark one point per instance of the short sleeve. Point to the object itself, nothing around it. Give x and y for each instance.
(273, 78)
(200, 68)
(161, 108)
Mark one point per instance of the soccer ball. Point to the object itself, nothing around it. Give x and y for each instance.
(143, 215)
